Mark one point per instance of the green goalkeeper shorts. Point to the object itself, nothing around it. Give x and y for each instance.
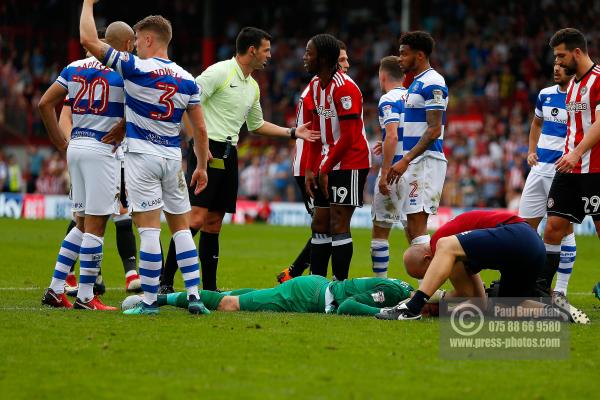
(304, 294)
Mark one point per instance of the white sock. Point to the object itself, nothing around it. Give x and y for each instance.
(380, 257)
(150, 263)
(568, 251)
(67, 255)
(90, 260)
(187, 261)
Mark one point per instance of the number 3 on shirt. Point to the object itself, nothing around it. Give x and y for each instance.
(165, 100)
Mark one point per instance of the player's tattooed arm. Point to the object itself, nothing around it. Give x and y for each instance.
(433, 132)
(88, 34)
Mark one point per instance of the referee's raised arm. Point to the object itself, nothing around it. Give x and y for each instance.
(230, 97)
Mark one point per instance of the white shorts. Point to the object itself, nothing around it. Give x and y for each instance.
(535, 196)
(386, 210)
(154, 182)
(422, 186)
(95, 182)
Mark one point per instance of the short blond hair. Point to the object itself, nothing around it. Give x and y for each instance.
(157, 24)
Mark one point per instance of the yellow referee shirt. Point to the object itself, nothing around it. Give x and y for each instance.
(229, 99)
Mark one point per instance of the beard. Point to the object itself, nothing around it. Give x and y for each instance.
(571, 68)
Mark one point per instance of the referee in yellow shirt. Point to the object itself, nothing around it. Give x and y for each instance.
(230, 97)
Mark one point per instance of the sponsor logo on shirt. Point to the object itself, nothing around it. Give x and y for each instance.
(325, 112)
(576, 106)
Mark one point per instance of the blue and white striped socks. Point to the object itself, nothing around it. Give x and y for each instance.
(380, 256)
(568, 251)
(150, 263)
(67, 255)
(90, 260)
(187, 261)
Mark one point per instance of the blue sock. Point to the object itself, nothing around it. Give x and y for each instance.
(67, 255)
(380, 256)
(90, 260)
(187, 261)
(568, 251)
(150, 263)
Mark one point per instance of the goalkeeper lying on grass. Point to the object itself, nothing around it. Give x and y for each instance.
(304, 294)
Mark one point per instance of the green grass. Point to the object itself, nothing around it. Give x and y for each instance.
(57, 353)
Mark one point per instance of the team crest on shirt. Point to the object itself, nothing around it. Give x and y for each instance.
(124, 56)
(583, 90)
(378, 297)
(548, 99)
(346, 102)
(438, 96)
(387, 110)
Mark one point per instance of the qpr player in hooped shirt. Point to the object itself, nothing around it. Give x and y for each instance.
(422, 169)
(157, 93)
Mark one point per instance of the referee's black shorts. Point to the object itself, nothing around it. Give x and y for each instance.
(221, 192)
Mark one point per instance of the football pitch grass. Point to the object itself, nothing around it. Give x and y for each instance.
(47, 353)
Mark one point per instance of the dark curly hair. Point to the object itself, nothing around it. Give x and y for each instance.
(328, 49)
(418, 40)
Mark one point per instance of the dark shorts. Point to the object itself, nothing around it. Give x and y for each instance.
(221, 192)
(515, 250)
(346, 187)
(308, 201)
(573, 196)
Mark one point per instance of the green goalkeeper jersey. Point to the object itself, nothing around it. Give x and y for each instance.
(366, 296)
(310, 294)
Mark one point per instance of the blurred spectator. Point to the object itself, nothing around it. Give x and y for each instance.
(251, 179)
(3, 171)
(494, 55)
(36, 161)
(14, 175)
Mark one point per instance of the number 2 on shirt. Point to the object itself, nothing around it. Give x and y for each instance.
(165, 100)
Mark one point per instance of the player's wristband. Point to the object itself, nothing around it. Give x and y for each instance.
(292, 133)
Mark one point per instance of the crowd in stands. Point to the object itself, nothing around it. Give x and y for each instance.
(495, 58)
(43, 174)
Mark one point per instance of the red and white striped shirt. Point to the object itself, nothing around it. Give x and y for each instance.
(583, 100)
(339, 117)
(304, 113)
